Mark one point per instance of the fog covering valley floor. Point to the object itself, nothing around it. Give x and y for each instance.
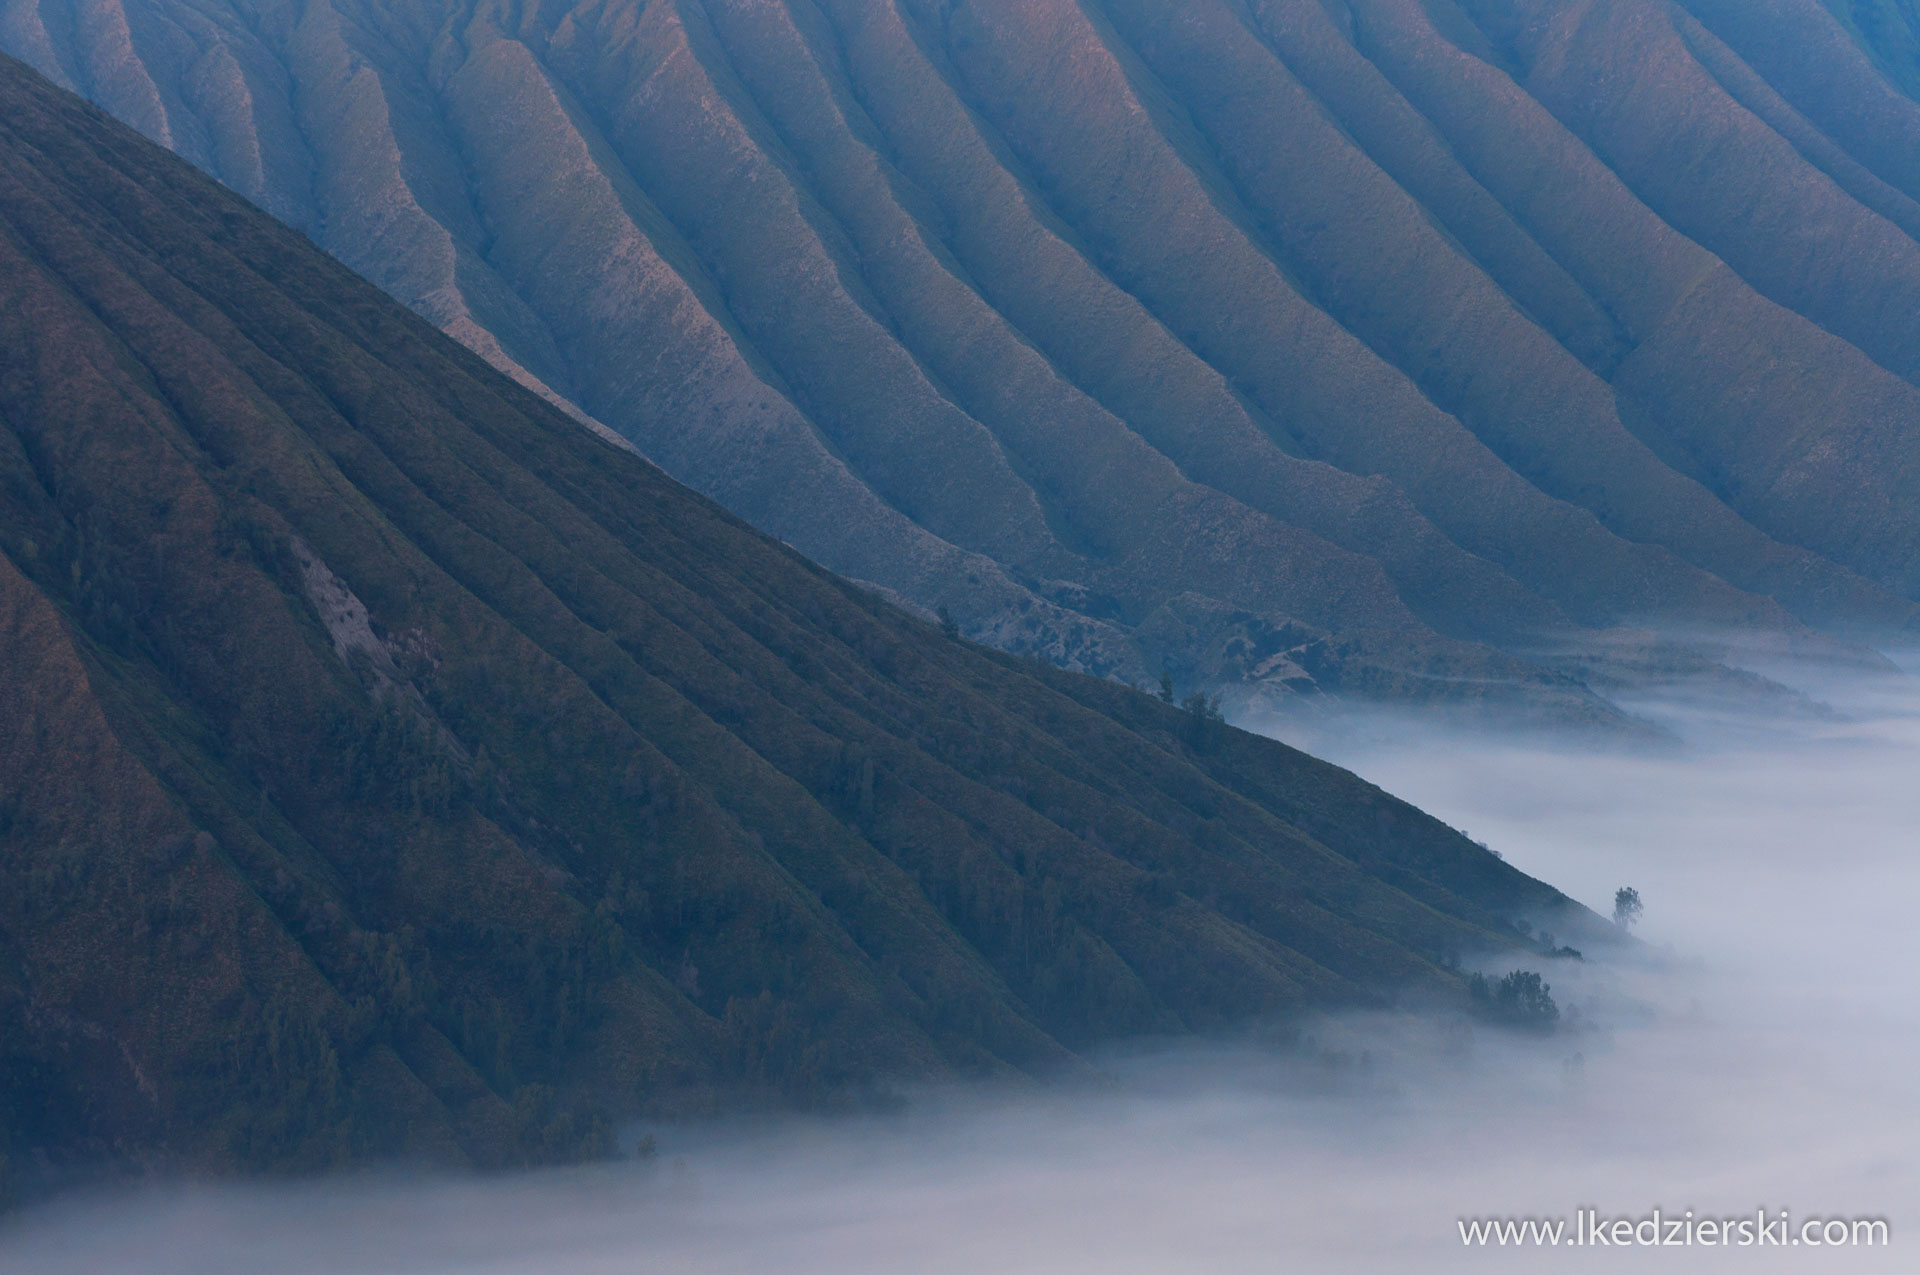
(1381, 347)
(1760, 1054)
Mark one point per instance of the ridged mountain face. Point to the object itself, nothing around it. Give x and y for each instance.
(1345, 343)
(388, 764)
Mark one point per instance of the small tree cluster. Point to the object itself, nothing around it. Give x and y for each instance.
(1626, 907)
(1520, 999)
(1206, 725)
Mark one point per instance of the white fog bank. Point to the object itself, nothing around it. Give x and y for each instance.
(1765, 1052)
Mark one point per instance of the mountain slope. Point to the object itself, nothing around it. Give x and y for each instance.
(392, 765)
(1442, 333)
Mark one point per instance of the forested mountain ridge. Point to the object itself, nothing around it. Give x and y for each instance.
(390, 766)
(1375, 345)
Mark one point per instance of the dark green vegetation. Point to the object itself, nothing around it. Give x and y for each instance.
(1520, 999)
(388, 764)
(1392, 348)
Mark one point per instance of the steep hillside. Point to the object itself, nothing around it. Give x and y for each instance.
(391, 765)
(1402, 341)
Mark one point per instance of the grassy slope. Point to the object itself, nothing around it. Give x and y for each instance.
(394, 766)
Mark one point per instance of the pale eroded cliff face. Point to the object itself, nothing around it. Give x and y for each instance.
(1375, 345)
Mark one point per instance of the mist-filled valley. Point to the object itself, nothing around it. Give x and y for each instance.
(1756, 1051)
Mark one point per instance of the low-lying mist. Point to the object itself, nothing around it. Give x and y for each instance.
(1760, 1051)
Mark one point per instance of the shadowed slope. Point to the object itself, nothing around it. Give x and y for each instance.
(393, 766)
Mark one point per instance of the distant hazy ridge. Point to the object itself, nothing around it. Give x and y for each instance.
(1354, 344)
